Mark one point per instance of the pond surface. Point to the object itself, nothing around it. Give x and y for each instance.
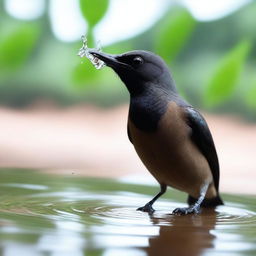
(56, 215)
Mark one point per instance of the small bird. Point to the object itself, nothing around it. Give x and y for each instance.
(171, 137)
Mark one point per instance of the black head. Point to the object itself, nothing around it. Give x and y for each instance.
(139, 70)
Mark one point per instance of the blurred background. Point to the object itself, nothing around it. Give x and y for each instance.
(59, 114)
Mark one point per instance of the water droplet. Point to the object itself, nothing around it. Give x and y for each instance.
(84, 52)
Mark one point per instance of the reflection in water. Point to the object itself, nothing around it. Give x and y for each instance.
(82, 216)
(183, 235)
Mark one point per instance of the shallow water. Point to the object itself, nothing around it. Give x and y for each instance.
(55, 215)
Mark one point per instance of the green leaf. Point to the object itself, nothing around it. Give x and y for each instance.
(93, 10)
(85, 75)
(227, 74)
(173, 34)
(251, 97)
(16, 47)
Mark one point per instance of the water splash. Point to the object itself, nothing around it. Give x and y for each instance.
(84, 52)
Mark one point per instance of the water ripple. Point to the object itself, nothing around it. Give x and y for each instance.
(112, 220)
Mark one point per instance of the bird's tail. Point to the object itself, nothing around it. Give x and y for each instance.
(208, 202)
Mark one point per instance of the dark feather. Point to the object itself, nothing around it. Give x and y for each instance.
(202, 137)
(129, 134)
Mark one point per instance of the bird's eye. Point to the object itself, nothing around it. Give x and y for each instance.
(138, 61)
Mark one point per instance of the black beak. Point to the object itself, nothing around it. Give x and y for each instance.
(110, 60)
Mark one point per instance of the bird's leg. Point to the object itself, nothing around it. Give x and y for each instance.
(148, 206)
(195, 208)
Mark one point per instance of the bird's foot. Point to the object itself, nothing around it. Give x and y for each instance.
(146, 208)
(186, 210)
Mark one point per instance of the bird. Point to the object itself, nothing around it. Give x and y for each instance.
(170, 136)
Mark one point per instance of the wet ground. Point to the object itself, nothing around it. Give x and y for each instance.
(42, 214)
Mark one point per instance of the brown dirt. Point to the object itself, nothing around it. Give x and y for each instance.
(86, 140)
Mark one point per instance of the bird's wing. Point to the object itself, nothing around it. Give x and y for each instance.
(202, 137)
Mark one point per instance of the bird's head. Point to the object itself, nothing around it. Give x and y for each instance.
(139, 70)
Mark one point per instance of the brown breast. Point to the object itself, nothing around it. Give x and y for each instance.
(170, 155)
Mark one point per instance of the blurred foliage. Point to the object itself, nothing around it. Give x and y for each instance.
(93, 11)
(251, 96)
(84, 74)
(212, 63)
(174, 34)
(226, 76)
(16, 47)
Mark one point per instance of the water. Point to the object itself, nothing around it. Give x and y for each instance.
(56, 215)
(84, 52)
